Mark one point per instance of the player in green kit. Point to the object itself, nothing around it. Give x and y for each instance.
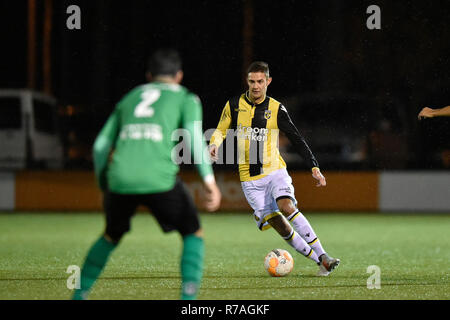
(134, 166)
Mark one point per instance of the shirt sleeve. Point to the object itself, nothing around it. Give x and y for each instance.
(102, 146)
(224, 123)
(286, 125)
(192, 121)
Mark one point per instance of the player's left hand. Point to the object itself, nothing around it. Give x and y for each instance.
(319, 176)
(213, 152)
(425, 113)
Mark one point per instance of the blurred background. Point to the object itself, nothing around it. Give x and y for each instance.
(354, 93)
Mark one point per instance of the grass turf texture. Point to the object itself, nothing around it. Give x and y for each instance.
(412, 251)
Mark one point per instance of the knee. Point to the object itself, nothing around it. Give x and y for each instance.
(114, 236)
(199, 233)
(287, 207)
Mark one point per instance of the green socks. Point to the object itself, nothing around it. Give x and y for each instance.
(93, 266)
(191, 266)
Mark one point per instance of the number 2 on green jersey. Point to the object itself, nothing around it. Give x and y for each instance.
(144, 108)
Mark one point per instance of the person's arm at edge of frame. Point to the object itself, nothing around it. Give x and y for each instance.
(431, 113)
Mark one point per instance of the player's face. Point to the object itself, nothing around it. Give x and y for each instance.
(257, 85)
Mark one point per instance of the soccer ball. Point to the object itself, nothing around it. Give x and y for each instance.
(278, 263)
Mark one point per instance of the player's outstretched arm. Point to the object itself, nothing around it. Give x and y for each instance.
(287, 126)
(431, 113)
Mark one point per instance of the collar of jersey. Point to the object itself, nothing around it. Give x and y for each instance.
(247, 99)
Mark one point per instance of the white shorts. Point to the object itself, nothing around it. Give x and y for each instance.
(262, 195)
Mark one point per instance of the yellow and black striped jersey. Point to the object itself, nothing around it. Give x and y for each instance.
(257, 127)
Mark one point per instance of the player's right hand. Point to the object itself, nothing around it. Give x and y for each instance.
(214, 152)
(212, 196)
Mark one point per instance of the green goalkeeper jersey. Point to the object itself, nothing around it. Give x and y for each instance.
(142, 133)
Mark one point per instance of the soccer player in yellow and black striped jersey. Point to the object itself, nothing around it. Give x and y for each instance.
(256, 119)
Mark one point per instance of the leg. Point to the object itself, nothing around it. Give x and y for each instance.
(300, 223)
(175, 210)
(118, 209)
(191, 265)
(93, 265)
(283, 192)
(282, 226)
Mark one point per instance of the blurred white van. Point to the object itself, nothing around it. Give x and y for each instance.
(28, 130)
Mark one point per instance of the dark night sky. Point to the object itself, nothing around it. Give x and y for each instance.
(315, 48)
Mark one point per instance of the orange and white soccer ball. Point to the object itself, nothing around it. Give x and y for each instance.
(278, 263)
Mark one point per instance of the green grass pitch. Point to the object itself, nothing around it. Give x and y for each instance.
(412, 252)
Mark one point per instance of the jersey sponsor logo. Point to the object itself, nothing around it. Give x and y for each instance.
(142, 131)
(254, 134)
(240, 110)
(285, 189)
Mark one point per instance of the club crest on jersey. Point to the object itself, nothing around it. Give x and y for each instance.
(267, 114)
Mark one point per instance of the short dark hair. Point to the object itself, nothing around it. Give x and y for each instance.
(165, 62)
(259, 66)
